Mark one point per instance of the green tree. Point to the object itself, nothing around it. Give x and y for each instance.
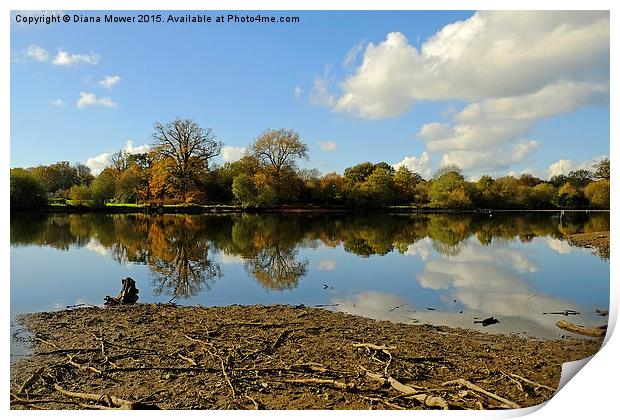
(103, 187)
(570, 196)
(244, 190)
(580, 177)
(597, 193)
(405, 183)
(378, 189)
(26, 190)
(80, 193)
(544, 196)
(450, 191)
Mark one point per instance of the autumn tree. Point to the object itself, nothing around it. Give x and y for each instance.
(597, 193)
(277, 151)
(187, 148)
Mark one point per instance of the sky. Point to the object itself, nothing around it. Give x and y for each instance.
(496, 93)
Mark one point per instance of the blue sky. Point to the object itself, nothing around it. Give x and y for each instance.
(492, 92)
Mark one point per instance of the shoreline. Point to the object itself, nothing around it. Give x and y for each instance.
(278, 357)
(231, 209)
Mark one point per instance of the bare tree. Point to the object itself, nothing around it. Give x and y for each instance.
(188, 147)
(120, 161)
(278, 149)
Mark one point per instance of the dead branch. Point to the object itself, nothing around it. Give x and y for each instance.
(425, 399)
(30, 380)
(373, 346)
(232, 388)
(467, 384)
(590, 332)
(317, 381)
(110, 399)
(83, 367)
(527, 381)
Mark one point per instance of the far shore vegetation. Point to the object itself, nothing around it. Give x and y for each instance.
(178, 171)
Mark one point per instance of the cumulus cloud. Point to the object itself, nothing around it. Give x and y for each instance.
(63, 58)
(109, 82)
(421, 165)
(36, 53)
(58, 103)
(564, 166)
(328, 146)
(320, 95)
(232, 153)
(513, 68)
(491, 134)
(87, 99)
(493, 54)
(100, 162)
(298, 92)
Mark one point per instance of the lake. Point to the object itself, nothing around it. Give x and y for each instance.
(442, 269)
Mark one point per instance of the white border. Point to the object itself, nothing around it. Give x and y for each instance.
(592, 394)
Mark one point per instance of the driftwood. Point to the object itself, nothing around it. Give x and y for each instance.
(589, 331)
(110, 400)
(476, 388)
(127, 295)
(423, 398)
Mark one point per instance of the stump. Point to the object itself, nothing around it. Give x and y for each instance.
(127, 295)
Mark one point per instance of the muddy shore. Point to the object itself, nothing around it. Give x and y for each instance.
(276, 357)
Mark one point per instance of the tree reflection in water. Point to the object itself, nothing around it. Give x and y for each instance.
(179, 249)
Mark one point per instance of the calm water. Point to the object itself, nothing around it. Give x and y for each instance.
(434, 268)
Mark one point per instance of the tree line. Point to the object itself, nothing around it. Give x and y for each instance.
(179, 169)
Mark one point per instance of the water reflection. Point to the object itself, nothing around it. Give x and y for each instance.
(484, 264)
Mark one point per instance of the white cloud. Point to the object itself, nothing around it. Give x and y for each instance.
(352, 54)
(132, 150)
(320, 94)
(328, 146)
(420, 165)
(58, 103)
(493, 54)
(232, 153)
(492, 160)
(87, 99)
(63, 58)
(564, 166)
(327, 265)
(514, 68)
(109, 82)
(298, 92)
(36, 53)
(100, 162)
